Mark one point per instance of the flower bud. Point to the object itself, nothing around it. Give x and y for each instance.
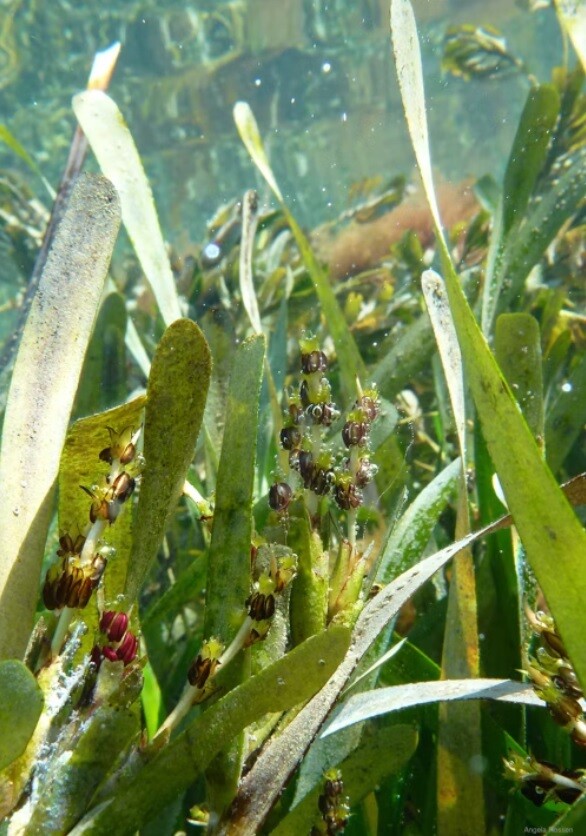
(122, 446)
(109, 653)
(68, 583)
(127, 649)
(261, 607)
(554, 643)
(355, 433)
(323, 413)
(365, 473)
(122, 487)
(280, 496)
(290, 438)
(369, 405)
(347, 494)
(205, 664)
(565, 710)
(114, 624)
(314, 361)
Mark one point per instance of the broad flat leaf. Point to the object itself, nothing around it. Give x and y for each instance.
(80, 465)
(176, 395)
(449, 351)
(114, 147)
(382, 752)
(410, 353)
(228, 583)
(245, 276)
(528, 152)
(497, 580)
(229, 577)
(44, 383)
(350, 361)
(371, 704)
(152, 701)
(459, 733)
(558, 201)
(518, 351)
(21, 703)
(250, 136)
(550, 531)
(282, 685)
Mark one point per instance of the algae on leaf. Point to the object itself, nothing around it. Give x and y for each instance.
(176, 395)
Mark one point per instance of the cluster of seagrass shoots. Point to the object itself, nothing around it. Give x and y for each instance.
(554, 678)
(333, 806)
(555, 682)
(310, 413)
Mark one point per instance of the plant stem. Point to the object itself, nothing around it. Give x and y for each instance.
(90, 546)
(61, 631)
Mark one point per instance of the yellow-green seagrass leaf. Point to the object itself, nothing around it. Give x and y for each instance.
(81, 465)
(21, 703)
(518, 350)
(44, 383)
(228, 582)
(554, 539)
(176, 396)
(229, 579)
(113, 145)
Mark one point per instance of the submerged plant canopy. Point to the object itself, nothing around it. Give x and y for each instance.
(291, 524)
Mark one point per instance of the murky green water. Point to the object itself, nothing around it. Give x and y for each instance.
(318, 75)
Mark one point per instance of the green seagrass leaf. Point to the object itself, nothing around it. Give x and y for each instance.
(176, 395)
(229, 577)
(228, 583)
(21, 703)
